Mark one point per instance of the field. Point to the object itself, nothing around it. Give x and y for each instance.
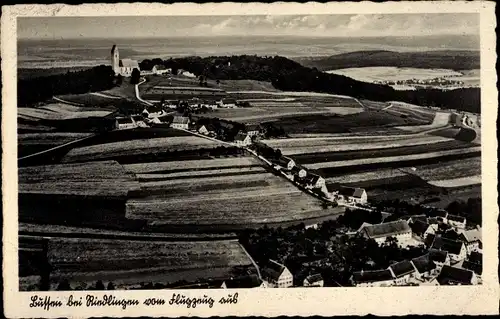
(30, 143)
(449, 170)
(88, 99)
(381, 73)
(59, 111)
(140, 147)
(324, 145)
(233, 193)
(128, 263)
(100, 179)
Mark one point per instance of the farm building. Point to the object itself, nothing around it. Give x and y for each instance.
(372, 278)
(425, 267)
(123, 67)
(455, 249)
(227, 103)
(124, 123)
(457, 221)
(253, 129)
(402, 272)
(421, 228)
(276, 275)
(472, 239)
(315, 280)
(311, 181)
(139, 120)
(160, 69)
(207, 129)
(456, 276)
(350, 194)
(242, 139)
(380, 232)
(442, 215)
(180, 122)
(285, 162)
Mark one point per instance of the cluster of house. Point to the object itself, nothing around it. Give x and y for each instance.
(448, 261)
(130, 122)
(433, 268)
(316, 183)
(276, 275)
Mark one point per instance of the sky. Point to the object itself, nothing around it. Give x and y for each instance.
(341, 25)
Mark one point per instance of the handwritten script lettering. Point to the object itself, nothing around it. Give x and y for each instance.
(108, 300)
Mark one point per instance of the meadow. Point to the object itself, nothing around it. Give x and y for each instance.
(60, 111)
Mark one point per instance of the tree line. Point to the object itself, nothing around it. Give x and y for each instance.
(288, 75)
(34, 90)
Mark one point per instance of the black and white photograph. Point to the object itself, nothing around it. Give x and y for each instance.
(249, 151)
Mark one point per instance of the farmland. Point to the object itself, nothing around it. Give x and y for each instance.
(59, 111)
(130, 263)
(232, 193)
(30, 143)
(88, 99)
(324, 145)
(137, 148)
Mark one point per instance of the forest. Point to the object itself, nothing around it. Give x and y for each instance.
(288, 75)
(34, 90)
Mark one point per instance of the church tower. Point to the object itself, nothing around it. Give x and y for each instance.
(115, 59)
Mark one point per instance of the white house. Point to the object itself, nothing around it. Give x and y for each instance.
(352, 195)
(315, 280)
(276, 275)
(139, 121)
(206, 129)
(180, 122)
(227, 103)
(123, 67)
(398, 229)
(286, 162)
(457, 221)
(298, 172)
(472, 239)
(314, 181)
(124, 123)
(402, 272)
(456, 249)
(252, 129)
(160, 69)
(372, 278)
(242, 139)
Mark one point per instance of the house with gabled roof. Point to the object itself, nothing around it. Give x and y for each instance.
(372, 278)
(206, 129)
(402, 272)
(456, 249)
(285, 162)
(250, 281)
(276, 275)
(315, 280)
(352, 195)
(253, 129)
(439, 257)
(298, 172)
(398, 229)
(180, 122)
(456, 276)
(472, 239)
(242, 139)
(474, 263)
(160, 69)
(425, 267)
(123, 123)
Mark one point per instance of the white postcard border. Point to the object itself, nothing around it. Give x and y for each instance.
(483, 299)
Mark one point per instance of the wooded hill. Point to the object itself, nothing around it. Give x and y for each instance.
(288, 75)
(444, 59)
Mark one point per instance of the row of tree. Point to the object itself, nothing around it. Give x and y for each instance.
(31, 91)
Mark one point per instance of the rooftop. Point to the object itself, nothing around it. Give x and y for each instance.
(372, 276)
(251, 281)
(472, 235)
(456, 218)
(314, 278)
(423, 264)
(438, 255)
(419, 227)
(351, 191)
(180, 120)
(451, 275)
(129, 63)
(240, 136)
(387, 229)
(402, 268)
(272, 270)
(449, 245)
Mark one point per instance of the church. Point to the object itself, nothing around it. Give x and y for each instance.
(123, 67)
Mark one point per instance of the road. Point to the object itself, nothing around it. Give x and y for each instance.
(137, 95)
